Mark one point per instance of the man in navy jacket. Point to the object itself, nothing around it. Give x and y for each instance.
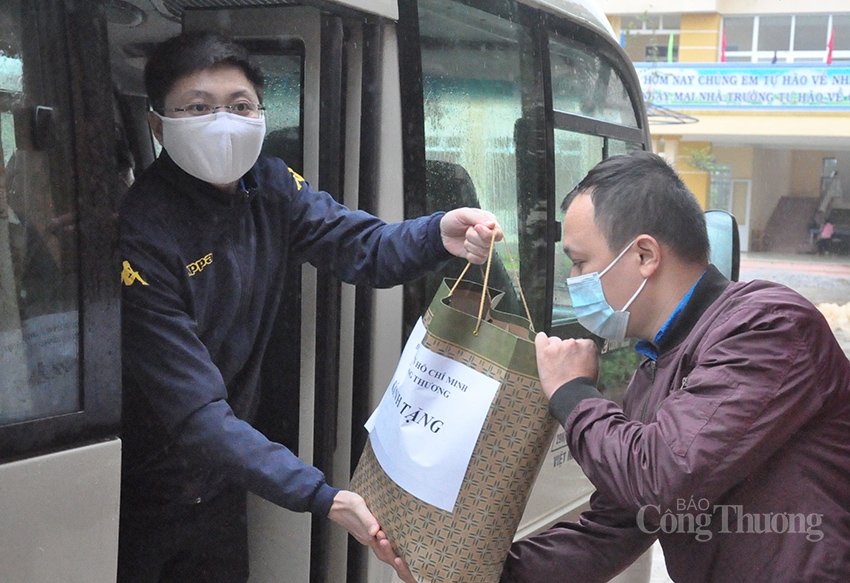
(207, 233)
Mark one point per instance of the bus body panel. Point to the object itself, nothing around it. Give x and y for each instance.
(586, 11)
(385, 8)
(60, 516)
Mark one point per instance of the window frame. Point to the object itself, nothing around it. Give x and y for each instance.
(78, 34)
(790, 55)
(538, 25)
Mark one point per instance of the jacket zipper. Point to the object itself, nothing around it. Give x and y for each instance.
(653, 364)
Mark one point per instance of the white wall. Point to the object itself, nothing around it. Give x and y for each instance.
(771, 181)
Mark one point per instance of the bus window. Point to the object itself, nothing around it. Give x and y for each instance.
(575, 155)
(39, 322)
(283, 102)
(585, 84)
(617, 147)
(472, 89)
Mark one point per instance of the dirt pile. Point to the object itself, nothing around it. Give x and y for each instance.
(837, 315)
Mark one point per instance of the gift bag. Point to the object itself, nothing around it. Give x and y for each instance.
(462, 465)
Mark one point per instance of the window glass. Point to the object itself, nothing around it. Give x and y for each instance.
(650, 21)
(720, 189)
(39, 322)
(671, 21)
(658, 53)
(774, 33)
(841, 26)
(739, 33)
(282, 100)
(633, 23)
(810, 32)
(617, 147)
(575, 155)
(472, 89)
(647, 36)
(585, 84)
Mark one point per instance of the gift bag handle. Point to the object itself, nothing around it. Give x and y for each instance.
(487, 279)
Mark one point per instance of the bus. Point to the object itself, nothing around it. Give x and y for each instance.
(397, 107)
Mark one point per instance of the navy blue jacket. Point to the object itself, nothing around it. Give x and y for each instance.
(203, 273)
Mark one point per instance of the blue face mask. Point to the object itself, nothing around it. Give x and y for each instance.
(593, 310)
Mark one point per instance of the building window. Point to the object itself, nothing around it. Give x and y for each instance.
(647, 37)
(810, 32)
(774, 33)
(739, 34)
(841, 26)
(786, 38)
(653, 53)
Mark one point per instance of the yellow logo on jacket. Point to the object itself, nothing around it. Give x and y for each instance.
(299, 180)
(129, 276)
(198, 266)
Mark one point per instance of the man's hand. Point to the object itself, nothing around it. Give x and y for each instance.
(560, 361)
(349, 510)
(467, 233)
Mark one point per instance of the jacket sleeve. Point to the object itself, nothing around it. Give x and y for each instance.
(183, 392)
(602, 543)
(763, 374)
(356, 246)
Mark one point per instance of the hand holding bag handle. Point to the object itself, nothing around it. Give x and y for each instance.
(486, 290)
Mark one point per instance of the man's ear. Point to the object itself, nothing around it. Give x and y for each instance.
(156, 126)
(650, 253)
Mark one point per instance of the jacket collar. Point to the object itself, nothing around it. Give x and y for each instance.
(706, 292)
(204, 193)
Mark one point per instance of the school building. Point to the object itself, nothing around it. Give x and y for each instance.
(750, 101)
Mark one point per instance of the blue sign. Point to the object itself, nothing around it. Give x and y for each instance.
(755, 87)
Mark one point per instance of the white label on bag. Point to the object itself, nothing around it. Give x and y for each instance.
(425, 428)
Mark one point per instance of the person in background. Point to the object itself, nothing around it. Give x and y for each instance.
(732, 447)
(206, 234)
(825, 238)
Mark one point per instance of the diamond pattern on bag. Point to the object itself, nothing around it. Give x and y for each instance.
(470, 544)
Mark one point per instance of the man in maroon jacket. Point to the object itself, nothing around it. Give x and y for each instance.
(733, 444)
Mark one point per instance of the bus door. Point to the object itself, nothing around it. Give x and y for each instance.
(321, 98)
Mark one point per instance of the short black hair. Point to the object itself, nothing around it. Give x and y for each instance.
(189, 52)
(640, 193)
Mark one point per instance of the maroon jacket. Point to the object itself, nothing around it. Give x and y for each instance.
(732, 448)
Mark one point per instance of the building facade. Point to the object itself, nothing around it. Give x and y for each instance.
(750, 101)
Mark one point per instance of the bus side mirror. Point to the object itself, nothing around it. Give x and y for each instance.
(723, 236)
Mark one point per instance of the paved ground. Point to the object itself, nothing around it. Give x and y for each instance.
(820, 279)
(823, 281)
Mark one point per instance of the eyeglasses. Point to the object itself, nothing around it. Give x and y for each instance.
(243, 108)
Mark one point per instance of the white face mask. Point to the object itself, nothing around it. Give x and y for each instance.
(218, 148)
(593, 310)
